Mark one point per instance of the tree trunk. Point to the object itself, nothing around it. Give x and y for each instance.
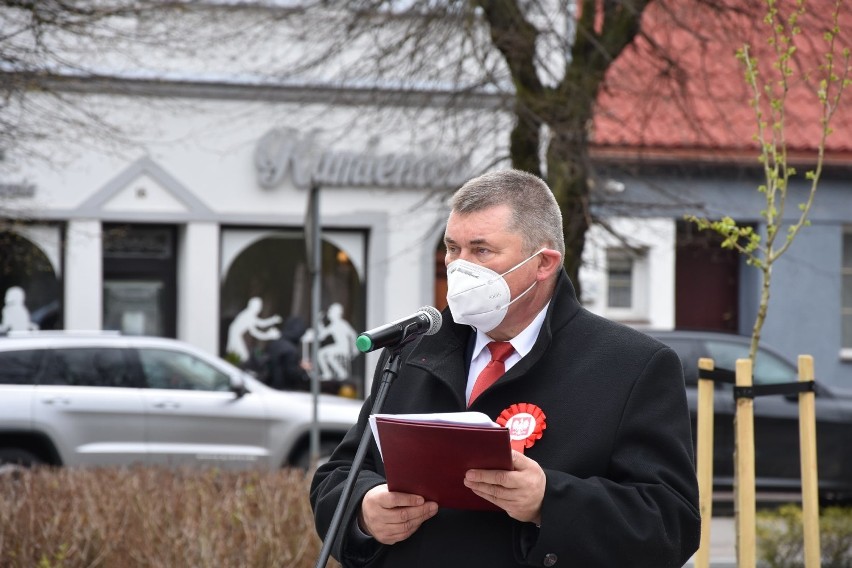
(567, 175)
(606, 28)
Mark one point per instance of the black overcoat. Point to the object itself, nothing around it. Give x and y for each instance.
(617, 451)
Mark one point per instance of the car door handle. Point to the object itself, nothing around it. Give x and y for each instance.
(166, 404)
(57, 400)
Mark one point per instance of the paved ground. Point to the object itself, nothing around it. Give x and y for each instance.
(723, 538)
(723, 552)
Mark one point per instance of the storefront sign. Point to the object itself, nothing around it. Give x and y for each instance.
(283, 149)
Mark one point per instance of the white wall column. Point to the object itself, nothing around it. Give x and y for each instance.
(661, 268)
(83, 296)
(198, 286)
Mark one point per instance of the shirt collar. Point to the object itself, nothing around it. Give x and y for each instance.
(522, 343)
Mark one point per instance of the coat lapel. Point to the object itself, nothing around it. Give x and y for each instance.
(443, 356)
(565, 304)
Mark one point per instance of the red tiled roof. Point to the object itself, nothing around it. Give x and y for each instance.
(699, 104)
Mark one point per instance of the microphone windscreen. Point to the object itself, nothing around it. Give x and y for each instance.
(435, 319)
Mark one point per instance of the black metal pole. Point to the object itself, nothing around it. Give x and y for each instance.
(313, 232)
(388, 375)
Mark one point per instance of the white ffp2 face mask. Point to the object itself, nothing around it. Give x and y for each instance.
(478, 296)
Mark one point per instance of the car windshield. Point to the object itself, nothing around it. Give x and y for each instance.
(768, 368)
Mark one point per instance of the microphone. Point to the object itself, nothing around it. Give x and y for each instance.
(426, 321)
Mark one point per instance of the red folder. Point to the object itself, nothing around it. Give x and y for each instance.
(430, 459)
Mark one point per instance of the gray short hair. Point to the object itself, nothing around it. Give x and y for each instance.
(535, 213)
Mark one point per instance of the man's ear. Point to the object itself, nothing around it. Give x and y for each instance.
(550, 263)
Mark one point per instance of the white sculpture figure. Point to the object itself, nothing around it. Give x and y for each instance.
(249, 321)
(335, 357)
(16, 316)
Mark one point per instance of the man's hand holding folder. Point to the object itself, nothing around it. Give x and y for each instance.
(429, 454)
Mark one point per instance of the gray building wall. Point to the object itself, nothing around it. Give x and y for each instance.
(804, 309)
(804, 314)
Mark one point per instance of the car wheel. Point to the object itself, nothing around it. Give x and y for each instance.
(303, 461)
(15, 459)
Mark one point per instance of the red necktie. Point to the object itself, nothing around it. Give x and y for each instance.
(496, 368)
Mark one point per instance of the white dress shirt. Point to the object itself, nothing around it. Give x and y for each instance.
(522, 344)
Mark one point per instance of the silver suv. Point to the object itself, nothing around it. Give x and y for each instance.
(69, 399)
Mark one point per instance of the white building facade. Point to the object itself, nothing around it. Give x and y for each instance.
(175, 235)
(194, 219)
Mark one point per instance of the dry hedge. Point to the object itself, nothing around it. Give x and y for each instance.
(120, 517)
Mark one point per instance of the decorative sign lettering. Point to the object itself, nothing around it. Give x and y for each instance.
(284, 149)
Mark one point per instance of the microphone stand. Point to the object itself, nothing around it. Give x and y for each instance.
(388, 375)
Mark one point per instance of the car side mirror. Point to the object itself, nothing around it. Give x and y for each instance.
(238, 386)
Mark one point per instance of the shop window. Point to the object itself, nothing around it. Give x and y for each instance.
(29, 287)
(266, 310)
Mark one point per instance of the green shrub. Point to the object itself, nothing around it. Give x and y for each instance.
(836, 538)
(780, 537)
(157, 517)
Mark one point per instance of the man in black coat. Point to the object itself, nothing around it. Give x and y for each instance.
(605, 476)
